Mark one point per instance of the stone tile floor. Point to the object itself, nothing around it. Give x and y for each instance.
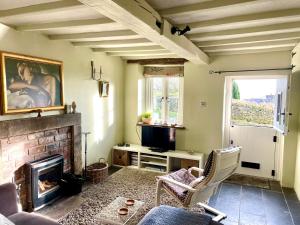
(245, 205)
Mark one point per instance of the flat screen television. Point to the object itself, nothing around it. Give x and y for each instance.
(159, 138)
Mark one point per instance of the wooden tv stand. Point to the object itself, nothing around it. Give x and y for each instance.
(140, 157)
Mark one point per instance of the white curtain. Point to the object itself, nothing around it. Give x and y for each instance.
(148, 95)
(180, 103)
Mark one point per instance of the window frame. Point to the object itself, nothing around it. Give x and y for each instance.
(228, 97)
(165, 98)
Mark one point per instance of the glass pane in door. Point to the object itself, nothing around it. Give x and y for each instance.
(253, 102)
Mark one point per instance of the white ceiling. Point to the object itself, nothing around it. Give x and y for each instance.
(67, 14)
(90, 28)
(233, 10)
(165, 4)
(239, 25)
(10, 4)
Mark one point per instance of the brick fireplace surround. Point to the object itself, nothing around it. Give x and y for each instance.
(24, 140)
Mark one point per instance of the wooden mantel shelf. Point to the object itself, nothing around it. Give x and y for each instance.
(160, 125)
(15, 127)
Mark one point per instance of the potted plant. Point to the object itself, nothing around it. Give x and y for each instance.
(147, 117)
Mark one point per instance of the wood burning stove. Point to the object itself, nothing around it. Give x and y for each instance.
(44, 178)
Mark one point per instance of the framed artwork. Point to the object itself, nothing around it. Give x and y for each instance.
(103, 88)
(29, 84)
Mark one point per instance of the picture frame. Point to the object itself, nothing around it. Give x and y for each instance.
(103, 88)
(30, 84)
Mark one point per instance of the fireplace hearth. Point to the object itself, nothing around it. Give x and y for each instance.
(28, 139)
(44, 178)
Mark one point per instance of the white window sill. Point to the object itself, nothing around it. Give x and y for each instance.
(161, 125)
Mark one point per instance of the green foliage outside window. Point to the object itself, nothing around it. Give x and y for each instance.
(252, 114)
(235, 91)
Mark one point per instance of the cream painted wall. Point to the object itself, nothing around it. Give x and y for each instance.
(204, 125)
(101, 116)
(291, 140)
(297, 167)
(134, 85)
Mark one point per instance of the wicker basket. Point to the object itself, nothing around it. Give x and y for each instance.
(97, 172)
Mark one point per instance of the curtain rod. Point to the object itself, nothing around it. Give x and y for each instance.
(237, 71)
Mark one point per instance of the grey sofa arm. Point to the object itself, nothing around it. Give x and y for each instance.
(8, 199)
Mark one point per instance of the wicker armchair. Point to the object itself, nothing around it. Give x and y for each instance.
(191, 191)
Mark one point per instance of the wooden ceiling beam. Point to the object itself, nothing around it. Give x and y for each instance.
(150, 57)
(141, 53)
(115, 43)
(174, 56)
(140, 17)
(129, 49)
(108, 35)
(41, 8)
(254, 19)
(201, 7)
(245, 46)
(250, 51)
(161, 61)
(256, 39)
(66, 24)
(244, 32)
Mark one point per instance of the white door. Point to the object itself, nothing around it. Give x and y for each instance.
(257, 115)
(259, 149)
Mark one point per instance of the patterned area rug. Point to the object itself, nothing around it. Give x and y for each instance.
(129, 183)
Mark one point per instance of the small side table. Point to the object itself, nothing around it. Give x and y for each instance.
(109, 214)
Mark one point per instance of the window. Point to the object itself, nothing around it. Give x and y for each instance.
(259, 102)
(253, 102)
(164, 98)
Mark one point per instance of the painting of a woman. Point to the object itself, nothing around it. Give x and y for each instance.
(31, 84)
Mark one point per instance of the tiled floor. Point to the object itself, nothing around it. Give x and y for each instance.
(246, 205)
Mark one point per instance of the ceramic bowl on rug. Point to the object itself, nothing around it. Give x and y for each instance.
(123, 211)
(129, 202)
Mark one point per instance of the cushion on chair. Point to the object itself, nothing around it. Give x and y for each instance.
(182, 176)
(5, 221)
(24, 218)
(8, 199)
(197, 181)
(167, 215)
